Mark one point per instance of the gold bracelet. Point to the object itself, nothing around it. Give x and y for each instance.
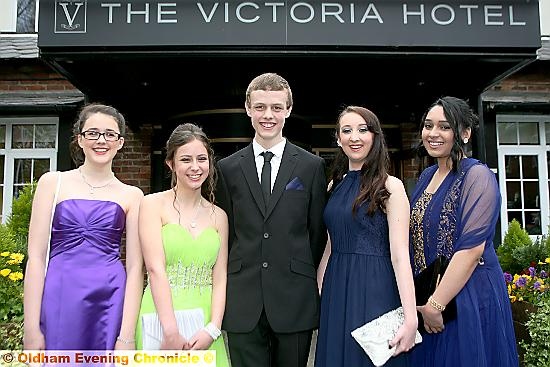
(438, 306)
(125, 341)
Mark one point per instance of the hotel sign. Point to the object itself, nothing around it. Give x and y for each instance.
(384, 23)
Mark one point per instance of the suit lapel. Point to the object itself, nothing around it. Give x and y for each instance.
(248, 165)
(288, 162)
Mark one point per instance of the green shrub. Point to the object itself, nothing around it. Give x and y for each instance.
(531, 254)
(537, 351)
(515, 238)
(11, 334)
(20, 216)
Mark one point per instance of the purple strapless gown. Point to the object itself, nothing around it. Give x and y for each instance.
(84, 285)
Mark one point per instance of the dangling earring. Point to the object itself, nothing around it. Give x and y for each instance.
(465, 140)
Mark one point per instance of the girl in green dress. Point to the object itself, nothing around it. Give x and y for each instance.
(184, 242)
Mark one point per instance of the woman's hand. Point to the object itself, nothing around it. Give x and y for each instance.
(34, 340)
(200, 341)
(404, 338)
(433, 319)
(173, 342)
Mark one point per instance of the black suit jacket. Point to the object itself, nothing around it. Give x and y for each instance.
(273, 252)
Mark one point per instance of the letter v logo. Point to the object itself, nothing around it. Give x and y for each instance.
(70, 16)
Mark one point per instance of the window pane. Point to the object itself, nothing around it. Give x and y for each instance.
(22, 136)
(22, 171)
(507, 133)
(547, 129)
(1, 202)
(2, 136)
(530, 166)
(531, 195)
(41, 166)
(45, 136)
(532, 222)
(529, 133)
(517, 215)
(512, 166)
(513, 193)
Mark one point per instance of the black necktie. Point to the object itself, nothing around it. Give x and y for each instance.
(266, 176)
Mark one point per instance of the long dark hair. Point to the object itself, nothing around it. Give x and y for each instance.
(460, 117)
(88, 110)
(374, 171)
(182, 135)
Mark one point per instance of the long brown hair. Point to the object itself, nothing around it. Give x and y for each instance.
(374, 171)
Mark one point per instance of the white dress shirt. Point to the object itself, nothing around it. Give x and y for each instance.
(277, 151)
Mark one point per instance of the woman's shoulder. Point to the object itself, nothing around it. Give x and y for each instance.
(131, 190)
(394, 184)
(474, 168)
(218, 212)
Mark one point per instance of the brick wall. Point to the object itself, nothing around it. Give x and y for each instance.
(132, 164)
(409, 140)
(534, 78)
(30, 75)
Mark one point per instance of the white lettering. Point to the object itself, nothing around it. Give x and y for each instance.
(161, 12)
(376, 15)
(443, 22)
(512, 20)
(66, 11)
(488, 14)
(406, 14)
(131, 12)
(226, 16)
(241, 18)
(469, 11)
(274, 5)
(352, 12)
(207, 18)
(110, 6)
(325, 12)
(298, 20)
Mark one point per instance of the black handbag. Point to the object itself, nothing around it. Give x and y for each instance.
(425, 284)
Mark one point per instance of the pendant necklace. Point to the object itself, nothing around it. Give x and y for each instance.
(193, 223)
(92, 187)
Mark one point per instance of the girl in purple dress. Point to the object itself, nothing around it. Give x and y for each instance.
(77, 294)
(455, 208)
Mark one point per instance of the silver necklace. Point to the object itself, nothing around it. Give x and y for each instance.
(193, 223)
(92, 187)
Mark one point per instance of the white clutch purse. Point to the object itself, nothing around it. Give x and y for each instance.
(189, 322)
(375, 335)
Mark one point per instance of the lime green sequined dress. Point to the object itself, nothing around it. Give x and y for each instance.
(189, 263)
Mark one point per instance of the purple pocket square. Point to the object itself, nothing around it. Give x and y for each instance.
(295, 184)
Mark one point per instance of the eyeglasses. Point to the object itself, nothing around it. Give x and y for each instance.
(95, 135)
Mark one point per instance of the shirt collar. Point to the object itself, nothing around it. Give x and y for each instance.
(277, 149)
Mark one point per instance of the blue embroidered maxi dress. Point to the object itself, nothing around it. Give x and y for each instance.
(460, 215)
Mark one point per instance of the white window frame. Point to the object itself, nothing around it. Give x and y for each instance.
(10, 154)
(540, 151)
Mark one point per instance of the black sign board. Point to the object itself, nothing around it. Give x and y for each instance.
(280, 23)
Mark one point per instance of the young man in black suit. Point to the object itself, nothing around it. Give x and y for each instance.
(274, 195)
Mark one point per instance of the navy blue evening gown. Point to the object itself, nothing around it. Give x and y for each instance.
(359, 283)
